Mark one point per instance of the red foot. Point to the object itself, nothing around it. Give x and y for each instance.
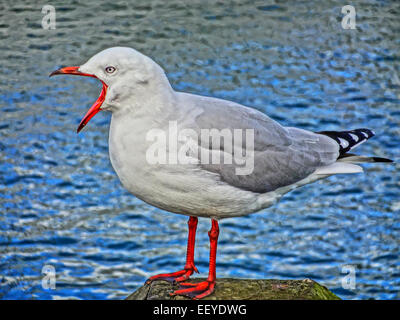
(189, 268)
(178, 276)
(195, 290)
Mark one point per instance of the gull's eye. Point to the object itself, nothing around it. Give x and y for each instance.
(110, 69)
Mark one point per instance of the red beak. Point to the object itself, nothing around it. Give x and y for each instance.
(96, 106)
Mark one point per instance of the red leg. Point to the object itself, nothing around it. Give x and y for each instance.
(189, 268)
(205, 288)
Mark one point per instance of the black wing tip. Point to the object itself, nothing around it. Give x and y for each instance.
(378, 159)
(370, 133)
(348, 140)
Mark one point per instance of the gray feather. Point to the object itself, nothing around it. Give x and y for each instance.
(282, 155)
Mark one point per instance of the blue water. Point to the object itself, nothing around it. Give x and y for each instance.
(62, 205)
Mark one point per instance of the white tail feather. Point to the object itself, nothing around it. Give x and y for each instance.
(338, 167)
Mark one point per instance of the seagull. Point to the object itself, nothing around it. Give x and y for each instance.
(165, 146)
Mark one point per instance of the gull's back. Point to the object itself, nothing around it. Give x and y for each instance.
(282, 156)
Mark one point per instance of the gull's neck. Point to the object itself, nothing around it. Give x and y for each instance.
(151, 99)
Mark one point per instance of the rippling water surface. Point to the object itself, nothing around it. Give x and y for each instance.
(62, 205)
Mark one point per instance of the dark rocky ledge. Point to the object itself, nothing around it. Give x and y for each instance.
(242, 289)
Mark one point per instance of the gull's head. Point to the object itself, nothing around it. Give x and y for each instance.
(124, 73)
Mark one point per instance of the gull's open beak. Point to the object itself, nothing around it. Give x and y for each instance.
(96, 106)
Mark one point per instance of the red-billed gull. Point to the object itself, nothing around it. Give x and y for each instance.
(166, 149)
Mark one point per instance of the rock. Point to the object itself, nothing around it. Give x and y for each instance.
(242, 289)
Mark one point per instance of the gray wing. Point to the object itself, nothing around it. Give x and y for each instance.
(282, 155)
